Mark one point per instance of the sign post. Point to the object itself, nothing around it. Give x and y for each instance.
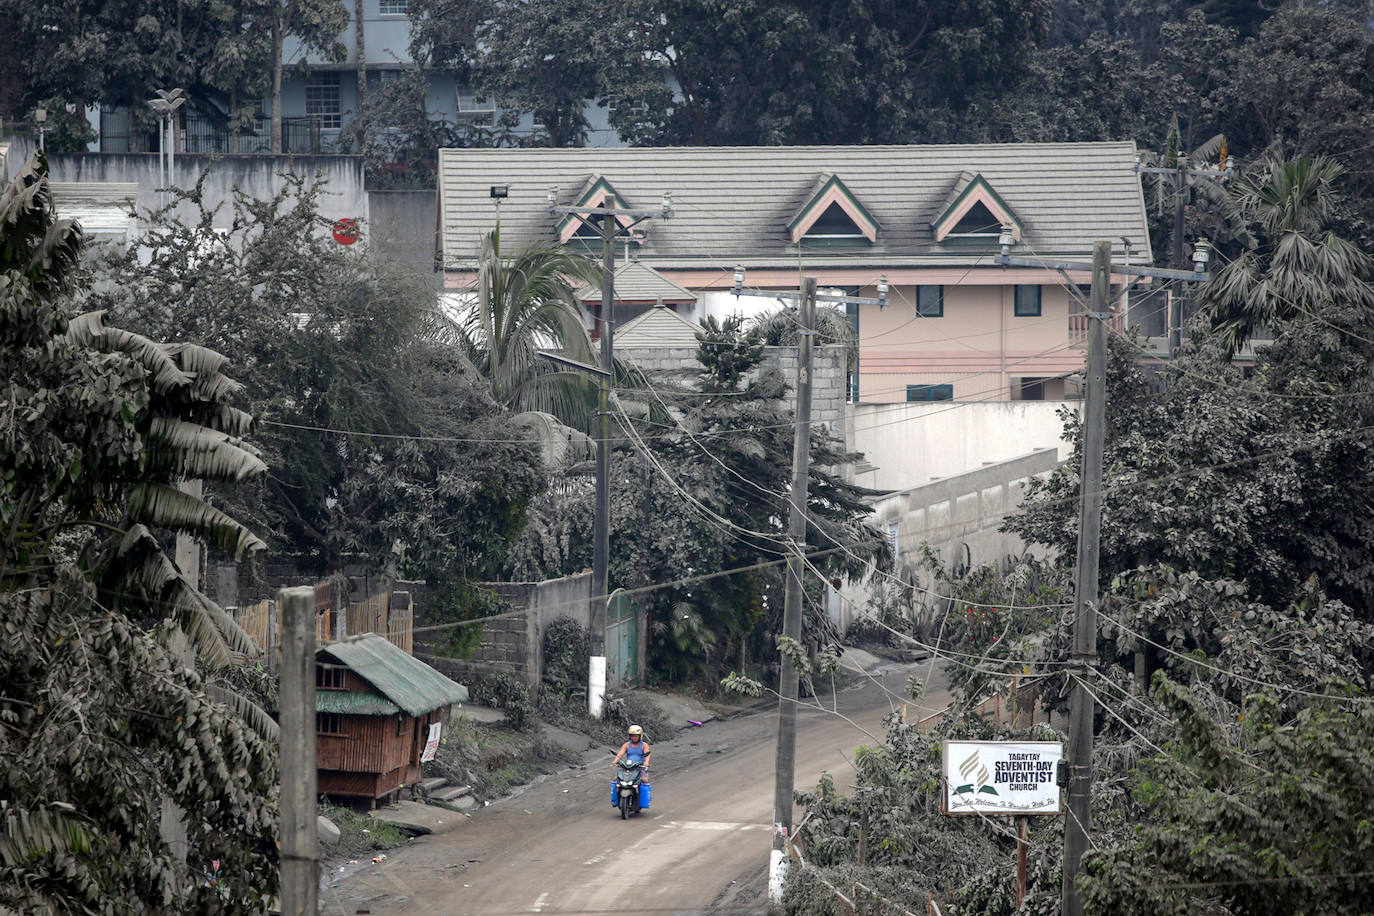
(1019, 778)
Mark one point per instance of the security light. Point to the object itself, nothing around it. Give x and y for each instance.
(1136, 167)
(739, 279)
(553, 198)
(499, 191)
(882, 291)
(1202, 253)
(667, 204)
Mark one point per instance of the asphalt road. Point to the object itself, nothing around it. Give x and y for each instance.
(702, 847)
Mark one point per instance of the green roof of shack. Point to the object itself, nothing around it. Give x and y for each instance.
(406, 681)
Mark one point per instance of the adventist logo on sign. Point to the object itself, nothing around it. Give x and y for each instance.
(1001, 777)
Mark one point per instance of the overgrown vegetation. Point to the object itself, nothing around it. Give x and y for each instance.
(1234, 713)
(102, 721)
(697, 484)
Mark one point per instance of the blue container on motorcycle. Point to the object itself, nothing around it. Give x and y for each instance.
(646, 792)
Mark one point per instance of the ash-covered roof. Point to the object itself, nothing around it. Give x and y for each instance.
(733, 204)
(403, 679)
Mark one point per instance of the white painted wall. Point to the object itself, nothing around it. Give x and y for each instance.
(910, 444)
(721, 305)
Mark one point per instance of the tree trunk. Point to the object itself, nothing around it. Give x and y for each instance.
(276, 86)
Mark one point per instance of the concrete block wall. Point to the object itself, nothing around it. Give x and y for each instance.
(514, 644)
(960, 516)
(957, 516)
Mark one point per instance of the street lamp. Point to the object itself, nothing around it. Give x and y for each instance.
(610, 215)
(40, 117)
(166, 105)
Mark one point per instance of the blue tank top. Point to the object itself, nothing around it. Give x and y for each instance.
(635, 752)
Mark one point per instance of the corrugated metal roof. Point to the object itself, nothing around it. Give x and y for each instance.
(658, 327)
(732, 204)
(353, 703)
(636, 281)
(103, 208)
(404, 680)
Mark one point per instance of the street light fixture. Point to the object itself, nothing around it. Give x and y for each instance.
(611, 216)
(40, 117)
(166, 105)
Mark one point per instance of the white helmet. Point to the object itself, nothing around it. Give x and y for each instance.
(636, 731)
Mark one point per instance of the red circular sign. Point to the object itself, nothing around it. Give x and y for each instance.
(346, 231)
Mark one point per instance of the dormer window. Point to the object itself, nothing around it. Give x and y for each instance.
(831, 214)
(973, 210)
(979, 220)
(597, 193)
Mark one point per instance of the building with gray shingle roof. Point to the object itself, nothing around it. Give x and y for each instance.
(732, 203)
(924, 218)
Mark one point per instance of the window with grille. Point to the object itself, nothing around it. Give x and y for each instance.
(394, 7)
(1030, 389)
(322, 99)
(328, 677)
(1027, 301)
(930, 392)
(328, 723)
(894, 538)
(930, 301)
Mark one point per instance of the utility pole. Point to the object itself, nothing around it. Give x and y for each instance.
(601, 521)
(1181, 192)
(792, 599)
(1083, 657)
(1182, 177)
(299, 830)
(1083, 661)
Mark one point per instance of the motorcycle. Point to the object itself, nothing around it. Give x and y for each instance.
(629, 792)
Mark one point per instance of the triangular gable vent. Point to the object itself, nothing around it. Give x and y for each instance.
(832, 211)
(974, 210)
(979, 220)
(598, 192)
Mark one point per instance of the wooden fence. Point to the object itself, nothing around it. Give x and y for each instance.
(1013, 706)
(388, 614)
(254, 620)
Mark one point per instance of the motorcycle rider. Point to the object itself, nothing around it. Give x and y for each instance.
(635, 750)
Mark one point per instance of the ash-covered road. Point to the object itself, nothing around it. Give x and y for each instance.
(559, 847)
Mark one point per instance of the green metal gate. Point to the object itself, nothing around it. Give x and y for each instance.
(622, 640)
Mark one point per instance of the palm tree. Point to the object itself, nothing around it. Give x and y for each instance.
(521, 304)
(102, 426)
(176, 425)
(1293, 266)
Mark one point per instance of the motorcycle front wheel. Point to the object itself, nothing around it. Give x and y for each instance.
(624, 807)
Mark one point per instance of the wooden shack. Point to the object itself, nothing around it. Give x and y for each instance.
(379, 714)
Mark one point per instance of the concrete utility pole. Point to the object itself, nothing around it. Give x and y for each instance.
(1084, 657)
(792, 599)
(1182, 177)
(601, 522)
(300, 881)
